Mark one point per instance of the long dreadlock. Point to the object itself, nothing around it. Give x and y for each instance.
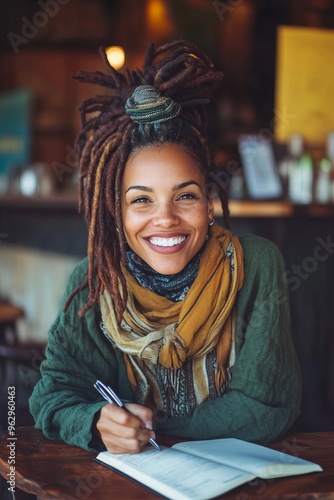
(178, 70)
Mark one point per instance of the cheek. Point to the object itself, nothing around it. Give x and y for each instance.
(132, 224)
(126, 222)
(197, 217)
(128, 227)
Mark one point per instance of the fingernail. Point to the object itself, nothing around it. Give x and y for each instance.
(149, 425)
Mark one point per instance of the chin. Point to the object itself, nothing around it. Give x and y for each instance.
(167, 269)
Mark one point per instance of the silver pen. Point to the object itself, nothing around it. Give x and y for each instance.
(109, 395)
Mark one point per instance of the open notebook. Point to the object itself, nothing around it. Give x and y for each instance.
(200, 470)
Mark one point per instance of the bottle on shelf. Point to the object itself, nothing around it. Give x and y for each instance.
(290, 161)
(324, 186)
(304, 180)
(296, 171)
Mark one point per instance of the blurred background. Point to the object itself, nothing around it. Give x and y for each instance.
(272, 135)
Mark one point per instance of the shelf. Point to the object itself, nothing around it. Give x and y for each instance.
(274, 209)
(260, 209)
(57, 201)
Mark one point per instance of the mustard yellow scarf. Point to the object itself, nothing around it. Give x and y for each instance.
(156, 330)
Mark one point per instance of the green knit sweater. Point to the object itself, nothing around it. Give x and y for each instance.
(262, 400)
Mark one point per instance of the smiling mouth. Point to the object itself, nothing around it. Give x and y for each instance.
(167, 242)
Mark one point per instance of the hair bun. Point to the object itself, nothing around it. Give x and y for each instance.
(146, 105)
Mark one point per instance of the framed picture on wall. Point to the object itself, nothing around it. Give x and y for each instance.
(259, 167)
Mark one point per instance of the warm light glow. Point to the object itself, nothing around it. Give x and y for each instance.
(156, 11)
(115, 56)
(158, 18)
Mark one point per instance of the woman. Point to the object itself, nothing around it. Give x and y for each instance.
(189, 324)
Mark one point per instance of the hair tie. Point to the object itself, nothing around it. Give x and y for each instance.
(146, 105)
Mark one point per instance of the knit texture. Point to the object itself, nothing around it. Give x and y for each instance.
(263, 397)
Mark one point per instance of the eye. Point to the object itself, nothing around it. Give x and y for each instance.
(141, 199)
(188, 196)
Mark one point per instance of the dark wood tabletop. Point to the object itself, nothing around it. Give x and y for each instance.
(55, 470)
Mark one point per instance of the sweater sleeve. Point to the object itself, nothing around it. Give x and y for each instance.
(64, 401)
(263, 397)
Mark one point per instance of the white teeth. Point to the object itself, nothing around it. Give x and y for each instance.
(167, 242)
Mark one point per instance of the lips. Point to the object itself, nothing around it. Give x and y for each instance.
(166, 242)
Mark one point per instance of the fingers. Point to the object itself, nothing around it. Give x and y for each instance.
(122, 431)
(145, 414)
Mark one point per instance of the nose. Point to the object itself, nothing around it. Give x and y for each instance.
(166, 215)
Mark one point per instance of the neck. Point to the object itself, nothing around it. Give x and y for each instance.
(172, 286)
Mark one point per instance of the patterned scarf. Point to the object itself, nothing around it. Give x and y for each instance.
(172, 286)
(156, 330)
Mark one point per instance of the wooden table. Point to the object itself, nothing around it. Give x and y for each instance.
(54, 470)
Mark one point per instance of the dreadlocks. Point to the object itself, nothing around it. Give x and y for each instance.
(178, 70)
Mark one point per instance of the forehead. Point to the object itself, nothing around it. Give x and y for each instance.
(160, 163)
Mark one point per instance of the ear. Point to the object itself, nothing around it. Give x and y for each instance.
(210, 206)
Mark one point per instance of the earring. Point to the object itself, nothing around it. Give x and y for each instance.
(210, 224)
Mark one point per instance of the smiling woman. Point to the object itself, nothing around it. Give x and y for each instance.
(165, 221)
(187, 322)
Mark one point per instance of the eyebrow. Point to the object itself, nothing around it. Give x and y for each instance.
(175, 188)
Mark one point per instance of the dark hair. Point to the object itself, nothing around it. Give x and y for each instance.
(178, 70)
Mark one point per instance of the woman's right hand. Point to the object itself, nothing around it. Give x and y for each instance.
(125, 431)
